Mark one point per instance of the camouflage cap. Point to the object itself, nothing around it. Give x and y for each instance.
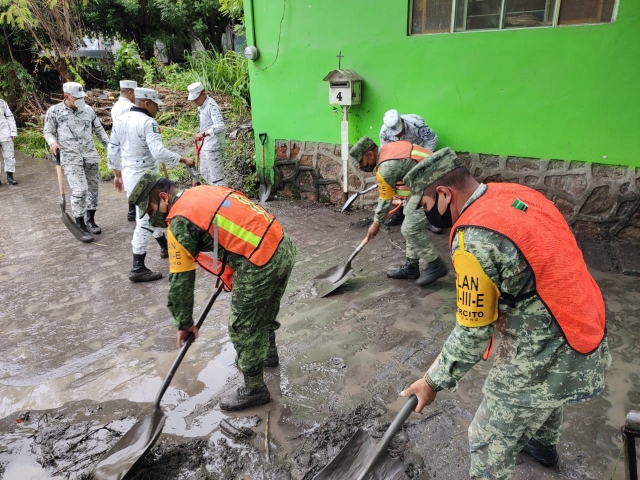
(363, 145)
(431, 169)
(140, 193)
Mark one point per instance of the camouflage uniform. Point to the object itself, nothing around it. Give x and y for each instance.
(211, 156)
(412, 229)
(255, 298)
(535, 371)
(7, 130)
(73, 131)
(416, 131)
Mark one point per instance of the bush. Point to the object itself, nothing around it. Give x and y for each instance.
(16, 85)
(31, 141)
(127, 64)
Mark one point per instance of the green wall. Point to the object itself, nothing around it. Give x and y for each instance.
(570, 93)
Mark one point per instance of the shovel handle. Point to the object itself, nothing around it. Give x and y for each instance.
(357, 250)
(186, 346)
(59, 172)
(263, 137)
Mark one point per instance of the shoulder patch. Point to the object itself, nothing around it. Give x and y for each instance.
(156, 128)
(476, 294)
(180, 260)
(385, 191)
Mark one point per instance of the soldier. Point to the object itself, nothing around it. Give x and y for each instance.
(135, 148)
(122, 106)
(254, 257)
(393, 161)
(8, 132)
(412, 128)
(68, 126)
(519, 271)
(212, 130)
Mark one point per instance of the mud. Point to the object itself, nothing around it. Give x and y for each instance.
(84, 352)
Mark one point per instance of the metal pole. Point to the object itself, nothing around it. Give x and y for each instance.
(630, 431)
(344, 137)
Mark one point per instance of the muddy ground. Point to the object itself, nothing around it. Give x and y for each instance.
(84, 352)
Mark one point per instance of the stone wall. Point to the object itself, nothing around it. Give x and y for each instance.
(598, 201)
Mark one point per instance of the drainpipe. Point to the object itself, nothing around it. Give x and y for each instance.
(630, 432)
(251, 52)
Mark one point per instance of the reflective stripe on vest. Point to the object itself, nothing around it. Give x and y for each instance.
(402, 150)
(542, 236)
(245, 228)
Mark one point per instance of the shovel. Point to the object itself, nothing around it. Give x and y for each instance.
(353, 197)
(66, 219)
(194, 172)
(265, 185)
(328, 281)
(361, 459)
(127, 452)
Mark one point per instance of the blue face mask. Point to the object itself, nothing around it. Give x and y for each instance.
(437, 220)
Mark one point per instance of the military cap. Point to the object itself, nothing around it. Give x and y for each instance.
(363, 145)
(128, 84)
(392, 122)
(194, 89)
(147, 94)
(74, 89)
(140, 193)
(431, 169)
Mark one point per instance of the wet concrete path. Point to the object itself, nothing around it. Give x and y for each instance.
(76, 330)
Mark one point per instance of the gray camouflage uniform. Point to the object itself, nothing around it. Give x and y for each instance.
(412, 229)
(211, 156)
(7, 130)
(535, 372)
(73, 131)
(416, 131)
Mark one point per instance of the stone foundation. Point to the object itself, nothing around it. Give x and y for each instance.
(598, 201)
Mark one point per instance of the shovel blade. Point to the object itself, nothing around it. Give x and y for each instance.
(353, 459)
(349, 202)
(73, 228)
(324, 287)
(263, 192)
(334, 274)
(124, 455)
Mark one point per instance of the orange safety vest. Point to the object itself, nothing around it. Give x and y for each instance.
(542, 236)
(244, 228)
(400, 150)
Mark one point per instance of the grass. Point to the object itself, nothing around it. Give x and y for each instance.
(31, 141)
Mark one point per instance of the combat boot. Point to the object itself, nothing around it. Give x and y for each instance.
(433, 229)
(273, 360)
(86, 236)
(252, 394)
(91, 222)
(395, 219)
(131, 214)
(10, 179)
(164, 246)
(409, 271)
(140, 273)
(544, 455)
(434, 271)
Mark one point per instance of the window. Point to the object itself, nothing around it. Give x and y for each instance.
(434, 16)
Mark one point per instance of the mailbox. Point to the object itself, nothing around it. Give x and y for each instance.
(345, 87)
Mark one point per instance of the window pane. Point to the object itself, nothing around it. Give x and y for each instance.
(431, 16)
(477, 14)
(585, 11)
(528, 13)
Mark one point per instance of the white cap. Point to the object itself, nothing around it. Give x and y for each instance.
(74, 89)
(194, 90)
(128, 84)
(148, 94)
(393, 122)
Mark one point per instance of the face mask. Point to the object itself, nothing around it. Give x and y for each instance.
(437, 220)
(367, 168)
(159, 219)
(79, 103)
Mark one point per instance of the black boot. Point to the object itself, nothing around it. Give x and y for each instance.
(252, 394)
(10, 179)
(140, 273)
(91, 222)
(547, 456)
(131, 214)
(86, 236)
(433, 229)
(164, 246)
(395, 219)
(434, 271)
(409, 271)
(273, 360)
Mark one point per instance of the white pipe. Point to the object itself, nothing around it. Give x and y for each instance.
(344, 137)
